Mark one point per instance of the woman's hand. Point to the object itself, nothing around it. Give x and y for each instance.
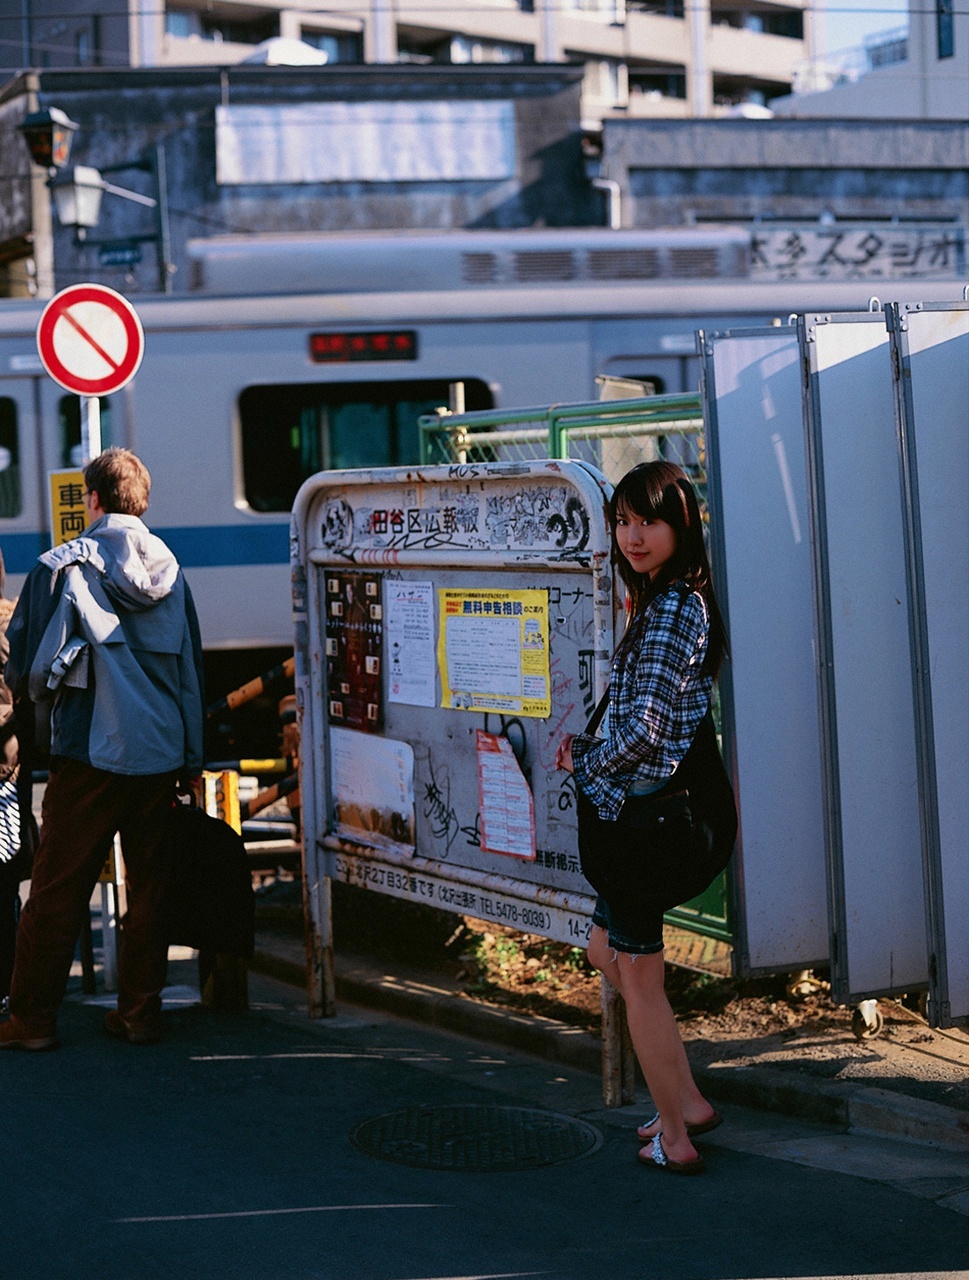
(563, 753)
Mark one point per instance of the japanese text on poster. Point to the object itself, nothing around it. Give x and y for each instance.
(409, 639)
(493, 651)
(68, 517)
(504, 799)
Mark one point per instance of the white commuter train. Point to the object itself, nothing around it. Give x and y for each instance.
(301, 353)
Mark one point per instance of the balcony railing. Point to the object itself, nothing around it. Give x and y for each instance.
(882, 49)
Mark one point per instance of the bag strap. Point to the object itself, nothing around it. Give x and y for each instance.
(596, 718)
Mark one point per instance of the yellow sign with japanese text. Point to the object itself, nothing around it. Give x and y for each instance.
(493, 651)
(68, 518)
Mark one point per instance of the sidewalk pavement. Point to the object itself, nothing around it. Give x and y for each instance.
(366, 1147)
(891, 1109)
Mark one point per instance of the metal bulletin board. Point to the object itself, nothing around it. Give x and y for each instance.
(762, 567)
(452, 623)
(868, 739)
(932, 342)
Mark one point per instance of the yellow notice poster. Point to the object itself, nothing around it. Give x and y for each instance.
(493, 651)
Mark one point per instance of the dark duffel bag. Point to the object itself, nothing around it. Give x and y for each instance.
(667, 847)
(210, 901)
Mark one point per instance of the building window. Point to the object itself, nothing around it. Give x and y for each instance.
(339, 46)
(760, 21)
(608, 8)
(419, 48)
(657, 82)
(221, 28)
(69, 417)
(182, 25)
(9, 459)
(465, 49)
(944, 28)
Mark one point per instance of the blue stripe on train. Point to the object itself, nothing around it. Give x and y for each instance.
(209, 546)
(195, 547)
(20, 550)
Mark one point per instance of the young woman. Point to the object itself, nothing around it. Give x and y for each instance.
(657, 738)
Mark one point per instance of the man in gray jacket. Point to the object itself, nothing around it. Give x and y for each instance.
(105, 634)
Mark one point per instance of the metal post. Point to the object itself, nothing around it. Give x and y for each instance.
(618, 1058)
(161, 213)
(90, 428)
(111, 879)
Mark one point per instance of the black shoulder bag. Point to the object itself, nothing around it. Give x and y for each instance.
(666, 847)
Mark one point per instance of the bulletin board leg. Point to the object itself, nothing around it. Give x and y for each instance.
(618, 1058)
(320, 979)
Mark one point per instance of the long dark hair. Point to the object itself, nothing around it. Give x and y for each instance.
(663, 491)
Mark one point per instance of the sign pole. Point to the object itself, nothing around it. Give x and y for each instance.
(90, 340)
(90, 428)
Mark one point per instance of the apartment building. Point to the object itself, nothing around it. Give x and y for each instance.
(642, 58)
(919, 71)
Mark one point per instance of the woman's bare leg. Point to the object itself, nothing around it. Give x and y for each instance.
(656, 1040)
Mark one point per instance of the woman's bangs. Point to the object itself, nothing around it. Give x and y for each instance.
(637, 496)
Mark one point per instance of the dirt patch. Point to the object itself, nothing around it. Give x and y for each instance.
(520, 971)
(530, 973)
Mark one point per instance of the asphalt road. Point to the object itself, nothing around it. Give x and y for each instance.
(225, 1153)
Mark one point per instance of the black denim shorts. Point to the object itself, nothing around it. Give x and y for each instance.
(637, 932)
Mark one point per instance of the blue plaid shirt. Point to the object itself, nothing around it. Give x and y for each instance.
(657, 698)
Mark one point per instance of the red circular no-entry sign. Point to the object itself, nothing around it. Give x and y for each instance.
(90, 339)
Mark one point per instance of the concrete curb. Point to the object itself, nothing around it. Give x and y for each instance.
(844, 1104)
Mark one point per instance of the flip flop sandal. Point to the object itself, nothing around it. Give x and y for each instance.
(692, 1130)
(656, 1157)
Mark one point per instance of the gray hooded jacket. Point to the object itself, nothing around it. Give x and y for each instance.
(106, 630)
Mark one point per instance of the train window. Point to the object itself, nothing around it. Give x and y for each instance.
(9, 459)
(290, 432)
(69, 416)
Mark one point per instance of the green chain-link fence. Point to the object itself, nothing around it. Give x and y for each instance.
(613, 435)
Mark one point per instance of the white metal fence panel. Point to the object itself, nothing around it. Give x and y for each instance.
(762, 558)
(933, 348)
(868, 735)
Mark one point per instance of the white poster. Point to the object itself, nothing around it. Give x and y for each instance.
(505, 799)
(385, 141)
(373, 786)
(409, 640)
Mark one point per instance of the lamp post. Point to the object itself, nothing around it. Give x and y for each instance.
(77, 190)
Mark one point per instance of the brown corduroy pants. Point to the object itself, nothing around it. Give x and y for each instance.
(83, 809)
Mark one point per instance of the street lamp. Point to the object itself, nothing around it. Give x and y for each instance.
(48, 135)
(77, 197)
(77, 190)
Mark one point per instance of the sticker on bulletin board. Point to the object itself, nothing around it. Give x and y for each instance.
(354, 632)
(493, 651)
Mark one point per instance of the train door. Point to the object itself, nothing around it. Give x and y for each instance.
(22, 509)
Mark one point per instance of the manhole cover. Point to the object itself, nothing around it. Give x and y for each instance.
(475, 1139)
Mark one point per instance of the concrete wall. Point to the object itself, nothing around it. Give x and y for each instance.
(62, 33)
(676, 171)
(124, 114)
